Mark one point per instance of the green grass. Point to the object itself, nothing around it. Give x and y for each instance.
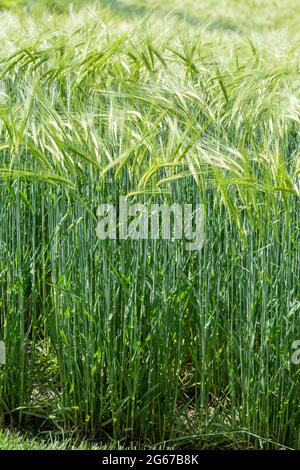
(141, 341)
(12, 440)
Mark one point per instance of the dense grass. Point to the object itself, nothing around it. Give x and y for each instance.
(12, 440)
(142, 341)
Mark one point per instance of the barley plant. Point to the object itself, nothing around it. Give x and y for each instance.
(141, 340)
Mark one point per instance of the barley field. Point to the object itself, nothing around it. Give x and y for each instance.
(141, 341)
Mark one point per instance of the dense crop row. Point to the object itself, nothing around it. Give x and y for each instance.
(142, 340)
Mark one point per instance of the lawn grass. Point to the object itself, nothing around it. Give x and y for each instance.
(16, 440)
(13, 440)
(141, 341)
